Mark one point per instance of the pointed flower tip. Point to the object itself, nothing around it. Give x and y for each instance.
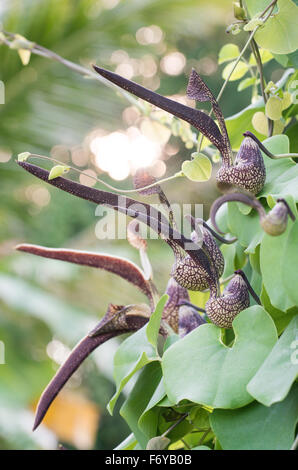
(19, 247)
(98, 69)
(37, 421)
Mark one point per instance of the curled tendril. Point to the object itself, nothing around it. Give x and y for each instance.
(274, 223)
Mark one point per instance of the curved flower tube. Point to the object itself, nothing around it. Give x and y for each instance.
(117, 320)
(114, 264)
(149, 215)
(248, 170)
(196, 118)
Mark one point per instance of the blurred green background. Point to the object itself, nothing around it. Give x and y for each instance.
(46, 306)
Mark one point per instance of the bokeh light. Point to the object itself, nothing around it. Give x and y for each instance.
(173, 63)
(120, 154)
(149, 35)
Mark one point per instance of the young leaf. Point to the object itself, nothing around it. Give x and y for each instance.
(273, 108)
(260, 123)
(25, 55)
(247, 82)
(286, 100)
(199, 169)
(238, 73)
(57, 171)
(266, 56)
(228, 52)
(23, 157)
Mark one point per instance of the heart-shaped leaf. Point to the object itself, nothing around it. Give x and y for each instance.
(228, 52)
(258, 427)
(274, 379)
(240, 70)
(279, 33)
(199, 169)
(23, 157)
(58, 170)
(200, 368)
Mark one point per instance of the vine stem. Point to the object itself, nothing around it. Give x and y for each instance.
(256, 53)
(174, 425)
(246, 45)
(47, 53)
(107, 185)
(204, 435)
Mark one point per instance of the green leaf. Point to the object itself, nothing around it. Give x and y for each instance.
(282, 174)
(199, 169)
(136, 351)
(200, 368)
(229, 253)
(280, 318)
(146, 416)
(279, 34)
(201, 448)
(57, 171)
(257, 427)
(247, 82)
(25, 55)
(256, 6)
(241, 122)
(152, 329)
(239, 72)
(273, 108)
(290, 263)
(292, 133)
(260, 122)
(246, 228)
(127, 444)
(266, 56)
(272, 259)
(275, 377)
(228, 52)
(23, 157)
(137, 402)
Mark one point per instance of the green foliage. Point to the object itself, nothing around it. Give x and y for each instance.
(274, 379)
(136, 351)
(202, 369)
(279, 34)
(258, 427)
(198, 169)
